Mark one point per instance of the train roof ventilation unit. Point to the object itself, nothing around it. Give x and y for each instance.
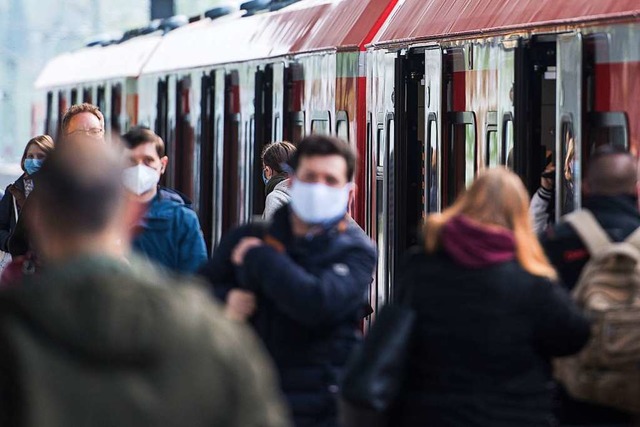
(219, 12)
(256, 6)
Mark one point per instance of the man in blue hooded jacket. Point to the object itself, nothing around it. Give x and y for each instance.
(170, 230)
(302, 280)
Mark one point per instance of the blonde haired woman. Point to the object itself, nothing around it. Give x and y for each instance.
(489, 314)
(35, 152)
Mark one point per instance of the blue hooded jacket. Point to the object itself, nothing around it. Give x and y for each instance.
(171, 233)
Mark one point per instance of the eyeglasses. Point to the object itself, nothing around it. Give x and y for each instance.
(89, 132)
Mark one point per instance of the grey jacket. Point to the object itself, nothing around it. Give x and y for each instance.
(96, 342)
(276, 199)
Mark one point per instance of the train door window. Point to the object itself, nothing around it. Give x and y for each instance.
(492, 141)
(608, 128)
(162, 106)
(463, 152)
(297, 127)
(74, 96)
(207, 114)
(101, 101)
(321, 123)
(116, 109)
(48, 126)
(568, 172)
(342, 125)
(62, 109)
(507, 140)
(432, 163)
(367, 177)
(87, 95)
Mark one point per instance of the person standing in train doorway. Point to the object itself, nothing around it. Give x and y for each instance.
(302, 280)
(275, 174)
(170, 232)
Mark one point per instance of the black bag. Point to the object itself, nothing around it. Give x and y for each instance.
(377, 369)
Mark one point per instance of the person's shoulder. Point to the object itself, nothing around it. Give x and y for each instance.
(354, 235)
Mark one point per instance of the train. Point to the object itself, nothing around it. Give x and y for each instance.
(428, 92)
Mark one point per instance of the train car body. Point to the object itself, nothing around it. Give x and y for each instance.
(457, 86)
(218, 91)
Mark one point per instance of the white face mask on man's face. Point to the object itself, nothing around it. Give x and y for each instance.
(316, 203)
(140, 179)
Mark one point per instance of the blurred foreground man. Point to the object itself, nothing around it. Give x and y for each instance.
(169, 232)
(96, 341)
(306, 276)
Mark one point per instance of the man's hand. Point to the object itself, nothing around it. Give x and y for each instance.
(241, 249)
(240, 305)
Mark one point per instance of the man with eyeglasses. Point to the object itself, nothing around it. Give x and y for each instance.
(83, 120)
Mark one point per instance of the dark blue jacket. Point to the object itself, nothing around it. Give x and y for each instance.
(311, 295)
(171, 234)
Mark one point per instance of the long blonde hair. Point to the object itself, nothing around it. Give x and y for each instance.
(496, 198)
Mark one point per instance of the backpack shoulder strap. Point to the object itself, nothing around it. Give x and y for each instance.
(634, 239)
(590, 232)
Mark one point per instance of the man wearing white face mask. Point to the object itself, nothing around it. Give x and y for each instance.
(170, 231)
(302, 280)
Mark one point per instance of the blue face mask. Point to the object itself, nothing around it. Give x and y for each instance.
(32, 165)
(264, 177)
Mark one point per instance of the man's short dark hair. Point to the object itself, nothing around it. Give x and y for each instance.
(322, 145)
(139, 135)
(76, 193)
(611, 171)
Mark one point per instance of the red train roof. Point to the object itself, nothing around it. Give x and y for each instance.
(426, 19)
(306, 26)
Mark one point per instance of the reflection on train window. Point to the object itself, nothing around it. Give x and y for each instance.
(431, 160)
(462, 151)
(567, 192)
(297, 127)
(380, 146)
(342, 125)
(320, 127)
(492, 148)
(608, 128)
(507, 143)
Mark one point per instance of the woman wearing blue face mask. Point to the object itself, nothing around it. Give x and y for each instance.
(275, 175)
(35, 152)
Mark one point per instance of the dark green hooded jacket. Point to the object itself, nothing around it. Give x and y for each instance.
(97, 342)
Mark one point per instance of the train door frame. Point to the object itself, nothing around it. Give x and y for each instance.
(263, 130)
(231, 143)
(405, 157)
(433, 129)
(207, 148)
(532, 59)
(569, 108)
(184, 140)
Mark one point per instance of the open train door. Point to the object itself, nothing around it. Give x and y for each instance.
(433, 148)
(568, 123)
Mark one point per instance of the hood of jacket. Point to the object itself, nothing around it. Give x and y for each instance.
(283, 186)
(101, 308)
(474, 245)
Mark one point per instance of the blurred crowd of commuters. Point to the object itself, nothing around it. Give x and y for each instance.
(112, 313)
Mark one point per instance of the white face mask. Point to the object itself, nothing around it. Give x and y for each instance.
(140, 179)
(316, 203)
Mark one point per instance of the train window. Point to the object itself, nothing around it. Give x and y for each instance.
(297, 127)
(74, 96)
(87, 95)
(116, 109)
(101, 101)
(432, 162)
(608, 128)
(342, 125)
(568, 171)
(463, 152)
(507, 140)
(276, 127)
(492, 148)
(380, 147)
(321, 123)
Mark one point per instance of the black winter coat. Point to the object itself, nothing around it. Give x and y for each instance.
(8, 218)
(311, 296)
(483, 344)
